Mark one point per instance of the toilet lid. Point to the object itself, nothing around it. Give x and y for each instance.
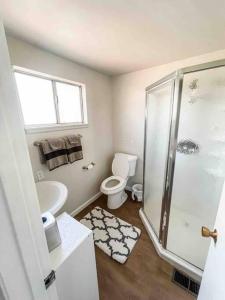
(120, 167)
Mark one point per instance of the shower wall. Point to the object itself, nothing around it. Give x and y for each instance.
(197, 152)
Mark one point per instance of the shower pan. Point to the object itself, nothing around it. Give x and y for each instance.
(184, 162)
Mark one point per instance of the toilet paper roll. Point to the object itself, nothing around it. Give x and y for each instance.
(90, 166)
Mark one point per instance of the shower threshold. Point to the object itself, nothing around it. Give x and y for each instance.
(171, 258)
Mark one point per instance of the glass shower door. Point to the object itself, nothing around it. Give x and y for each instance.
(159, 105)
(200, 164)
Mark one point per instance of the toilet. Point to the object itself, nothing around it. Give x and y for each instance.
(123, 166)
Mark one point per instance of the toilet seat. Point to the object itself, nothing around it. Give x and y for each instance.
(108, 190)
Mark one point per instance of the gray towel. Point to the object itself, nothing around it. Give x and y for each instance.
(56, 143)
(54, 158)
(73, 139)
(74, 147)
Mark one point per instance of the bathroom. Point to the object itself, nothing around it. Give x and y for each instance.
(118, 68)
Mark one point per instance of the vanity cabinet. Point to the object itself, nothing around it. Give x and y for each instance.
(74, 261)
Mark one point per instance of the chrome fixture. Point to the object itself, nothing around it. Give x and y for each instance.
(187, 147)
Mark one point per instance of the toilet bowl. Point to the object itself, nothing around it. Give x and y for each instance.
(123, 166)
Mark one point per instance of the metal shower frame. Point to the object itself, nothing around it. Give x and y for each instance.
(176, 79)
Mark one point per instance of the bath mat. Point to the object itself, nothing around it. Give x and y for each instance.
(111, 234)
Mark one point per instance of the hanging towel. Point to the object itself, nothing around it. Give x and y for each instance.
(53, 155)
(74, 147)
(56, 143)
(74, 139)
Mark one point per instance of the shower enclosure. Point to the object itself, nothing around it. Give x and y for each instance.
(184, 162)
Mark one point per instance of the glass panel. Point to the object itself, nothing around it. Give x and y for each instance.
(69, 103)
(200, 164)
(157, 138)
(36, 98)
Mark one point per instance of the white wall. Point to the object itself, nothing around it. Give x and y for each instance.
(129, 105)
(97, 138)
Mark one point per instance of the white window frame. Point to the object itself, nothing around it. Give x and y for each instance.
(57, 126)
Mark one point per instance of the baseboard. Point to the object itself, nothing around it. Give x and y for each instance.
(85, 204)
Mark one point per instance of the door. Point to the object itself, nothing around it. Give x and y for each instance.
(157, 130)
(212, 286)
(199, 170)
(24, 259)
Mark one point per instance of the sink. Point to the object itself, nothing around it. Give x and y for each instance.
(52, 195)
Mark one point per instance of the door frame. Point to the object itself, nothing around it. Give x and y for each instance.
(18, 191)
(171, 158)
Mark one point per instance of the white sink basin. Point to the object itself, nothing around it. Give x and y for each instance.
(52, 195)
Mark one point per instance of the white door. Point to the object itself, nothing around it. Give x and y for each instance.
(24, 257)
(213, 280)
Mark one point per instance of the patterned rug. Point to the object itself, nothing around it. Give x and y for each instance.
(111, 234)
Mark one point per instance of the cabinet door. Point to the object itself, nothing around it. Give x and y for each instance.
(76, 277)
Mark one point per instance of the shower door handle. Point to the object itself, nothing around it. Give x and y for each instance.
(207, 233)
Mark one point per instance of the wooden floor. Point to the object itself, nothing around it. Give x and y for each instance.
(145, 276)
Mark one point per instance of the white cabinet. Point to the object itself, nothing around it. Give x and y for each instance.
(74, 261)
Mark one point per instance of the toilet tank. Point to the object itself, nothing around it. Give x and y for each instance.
(132, 159)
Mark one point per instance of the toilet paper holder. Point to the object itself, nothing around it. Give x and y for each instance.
(89, 166)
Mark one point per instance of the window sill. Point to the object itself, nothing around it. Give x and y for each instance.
(56, 127)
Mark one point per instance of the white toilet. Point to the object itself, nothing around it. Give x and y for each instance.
(123, 166)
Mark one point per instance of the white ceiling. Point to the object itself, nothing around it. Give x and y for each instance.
(118, 36)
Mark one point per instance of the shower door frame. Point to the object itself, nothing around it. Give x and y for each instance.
(176, 94)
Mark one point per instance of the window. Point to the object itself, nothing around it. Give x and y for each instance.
(48, 102)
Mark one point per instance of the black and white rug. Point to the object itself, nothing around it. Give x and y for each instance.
(111, 234)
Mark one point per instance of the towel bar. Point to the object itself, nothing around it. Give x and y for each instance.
(38, 143)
